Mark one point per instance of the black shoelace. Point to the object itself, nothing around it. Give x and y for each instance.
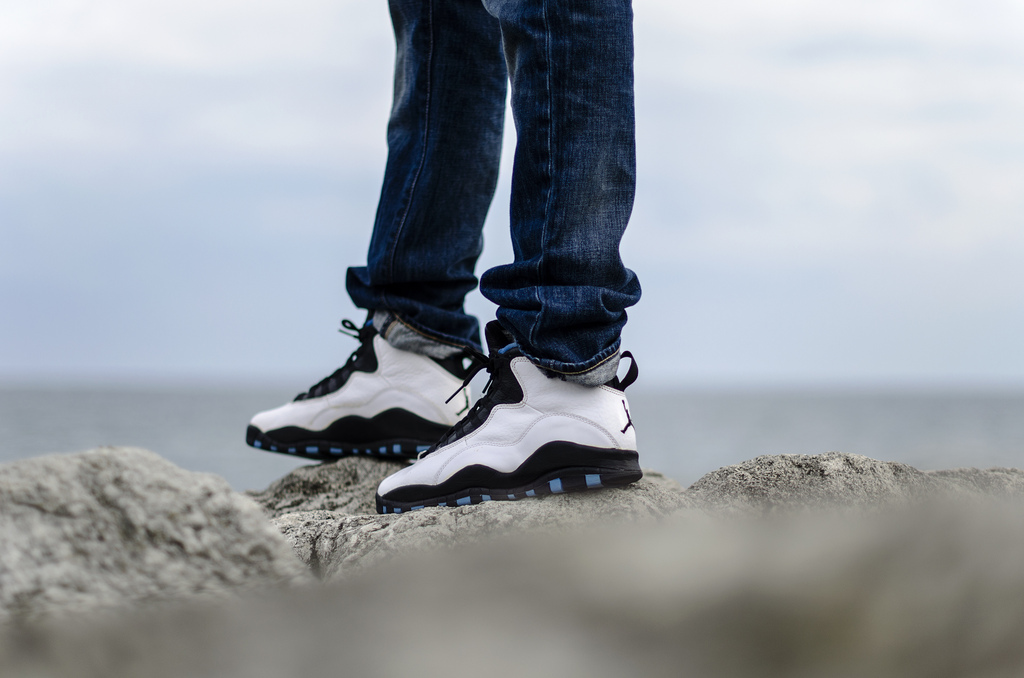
(494, 364)
(338, 378)
(472, 418)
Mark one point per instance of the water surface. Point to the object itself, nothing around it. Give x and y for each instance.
(684, 433)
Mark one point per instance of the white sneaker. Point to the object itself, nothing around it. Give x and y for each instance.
(528, 435)
(383, 402)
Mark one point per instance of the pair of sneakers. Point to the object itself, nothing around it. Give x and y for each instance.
(528, 435)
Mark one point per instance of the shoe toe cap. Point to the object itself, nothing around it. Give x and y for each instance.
(419, 473)
(393, 481)
(279, 417)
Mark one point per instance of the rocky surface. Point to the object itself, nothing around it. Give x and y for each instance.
(906, 595)
(774, 482)
(116, 526)
(730, 577)
(993, 482)
(328, 516)
(834, 479)
(333, 543)
(346, 486)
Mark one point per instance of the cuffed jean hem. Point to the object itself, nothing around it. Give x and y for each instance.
(600, 371)
(402, 335)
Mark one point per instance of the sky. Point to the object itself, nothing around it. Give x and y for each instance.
(829, 192)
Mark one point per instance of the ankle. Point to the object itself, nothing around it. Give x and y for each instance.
(403, 336)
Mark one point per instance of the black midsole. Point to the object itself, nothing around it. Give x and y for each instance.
(555, 482)
(355, 431)
(390, 448)
(550, 458)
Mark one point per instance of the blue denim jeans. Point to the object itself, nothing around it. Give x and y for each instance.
(570, 65)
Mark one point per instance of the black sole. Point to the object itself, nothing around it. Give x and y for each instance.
(617, 469)
(327, 450)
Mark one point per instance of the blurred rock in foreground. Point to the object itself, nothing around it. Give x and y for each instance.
(915, 593)
(789, 565)
(116, 526)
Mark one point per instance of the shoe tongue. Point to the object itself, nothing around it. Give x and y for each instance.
(497, 336)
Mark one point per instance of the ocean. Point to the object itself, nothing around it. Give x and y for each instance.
(682, 433)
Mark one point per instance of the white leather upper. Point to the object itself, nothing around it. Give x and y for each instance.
(551, 410)
(402, 379)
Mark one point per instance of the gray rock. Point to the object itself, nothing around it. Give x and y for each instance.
(787, 481)
(327, 511)
(993, 482)
(333, 544)
(639, 581)
(835, 479)
(113, 526)
(346, 486)
(910, 594)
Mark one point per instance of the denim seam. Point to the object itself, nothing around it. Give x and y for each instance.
(583, 371)
(423, 153)
(422, 333)
(549, 187)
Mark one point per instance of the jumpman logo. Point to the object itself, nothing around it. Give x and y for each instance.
(629, 420)
(466, 406)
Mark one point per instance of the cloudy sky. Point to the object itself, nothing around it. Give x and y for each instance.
(830, 191)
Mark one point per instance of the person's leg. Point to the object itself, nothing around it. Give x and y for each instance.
(564, 297)
(444, 144)
(562, 301)
(393, 397)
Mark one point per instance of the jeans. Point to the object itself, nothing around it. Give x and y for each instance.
(570, 65)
